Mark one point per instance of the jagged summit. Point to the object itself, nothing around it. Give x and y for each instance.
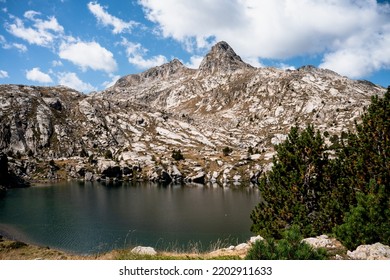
(222, 58)
(165, 70)
(174, 67)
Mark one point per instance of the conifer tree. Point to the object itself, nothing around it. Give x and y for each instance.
(294, 188)
(364, 163)
(365, 155)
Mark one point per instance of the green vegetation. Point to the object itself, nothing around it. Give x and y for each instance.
(127, 255)
(348, 194)
(108, 154)
(368, 221)
(227, 151)
(177, 155)
(290, 247)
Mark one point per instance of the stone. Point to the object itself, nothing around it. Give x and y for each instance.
(165, 177)
(375, 251)
(242, 246)
(175, 174)
(199, 178)
(144, 251)
(88, 176)
(322, 241)
(253, 239)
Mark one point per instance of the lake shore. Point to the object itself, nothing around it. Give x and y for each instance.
(11, 249)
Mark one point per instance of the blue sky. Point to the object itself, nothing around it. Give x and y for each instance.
(88, 45)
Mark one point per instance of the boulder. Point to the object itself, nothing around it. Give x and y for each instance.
(165, 177)
(253, 239)
(88, 177)
(198, 178)
(127, 171)
(144, 251)
(322, 241)
(109, 169)
(375, 251)
(175, 174)
(242, 246)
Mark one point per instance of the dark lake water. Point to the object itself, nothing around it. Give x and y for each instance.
(90, 218)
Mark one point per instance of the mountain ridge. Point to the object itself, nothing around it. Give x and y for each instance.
(130, 130)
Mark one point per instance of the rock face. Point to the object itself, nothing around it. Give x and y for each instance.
(139, 121)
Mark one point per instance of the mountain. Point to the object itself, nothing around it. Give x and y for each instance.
(130, 130)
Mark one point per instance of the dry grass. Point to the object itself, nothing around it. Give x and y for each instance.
(16, 250)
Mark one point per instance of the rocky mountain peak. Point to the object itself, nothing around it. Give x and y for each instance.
(221, 58)
(165, 71)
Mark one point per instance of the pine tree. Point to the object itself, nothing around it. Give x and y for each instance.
(364, 164)
(294, 188)
(366, 154)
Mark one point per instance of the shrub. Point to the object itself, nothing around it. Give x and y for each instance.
(290, 247)
(108, 154)
(83, 153)
(368, 221)
(227, 151)
(91, 159)
(177, 155)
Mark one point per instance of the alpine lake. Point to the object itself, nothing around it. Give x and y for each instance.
(91, 218)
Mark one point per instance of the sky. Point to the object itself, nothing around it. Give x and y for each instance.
(88, 45)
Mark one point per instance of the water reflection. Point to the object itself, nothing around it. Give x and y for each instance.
(96, 217)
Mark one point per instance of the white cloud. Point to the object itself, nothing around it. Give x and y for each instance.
(114, 79)
(42, 32)
(3, 74)
(31, 14)
(195, 61)
(56, 63)
(36, 75)
(280, 29)
(285, 66)
(136, 56)
(254, 61)
(71, 80)
(6, 45)
(108, 20)
(361, 55)
(88, 55)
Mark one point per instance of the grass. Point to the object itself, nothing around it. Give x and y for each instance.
(16, 250)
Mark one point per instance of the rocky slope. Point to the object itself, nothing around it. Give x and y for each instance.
(130, 130)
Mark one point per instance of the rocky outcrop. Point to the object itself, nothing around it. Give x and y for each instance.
(375, 251)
